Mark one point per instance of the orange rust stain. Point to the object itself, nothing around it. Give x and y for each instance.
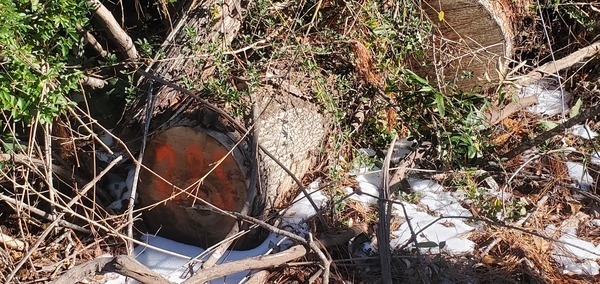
(227, 198)
(194, 159)
(165, 156)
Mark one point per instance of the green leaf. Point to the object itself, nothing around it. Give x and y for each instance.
(442, 244)
(416, 78)
(547, 124)
(439, 100)
(576, 108)
(427, 245)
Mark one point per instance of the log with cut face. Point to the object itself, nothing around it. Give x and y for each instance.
(188, 171)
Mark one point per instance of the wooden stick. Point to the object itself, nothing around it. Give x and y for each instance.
(257, 262)
(383, 231)
(114, 30)
(11, 243)
(591, 112)
(123, 264)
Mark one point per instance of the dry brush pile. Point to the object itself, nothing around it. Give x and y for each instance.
(354, 60)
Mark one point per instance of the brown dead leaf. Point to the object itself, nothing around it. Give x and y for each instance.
(365, 65)
(541, 245)
(491, 260)
(391, 117)
(500, 140)
(98, 252)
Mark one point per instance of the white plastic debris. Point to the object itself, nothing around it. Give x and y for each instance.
(595, 159)
(452, 232)
(576, 256)
(436, 199)
(578, 172)
(550, 99)
(584, 131)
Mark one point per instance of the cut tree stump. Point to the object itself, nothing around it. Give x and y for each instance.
(190, 161)
(187, 138)
(472, 40)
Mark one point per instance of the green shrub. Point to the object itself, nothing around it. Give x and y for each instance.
(37, 40)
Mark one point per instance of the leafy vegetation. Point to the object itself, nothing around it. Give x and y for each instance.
(40, 47)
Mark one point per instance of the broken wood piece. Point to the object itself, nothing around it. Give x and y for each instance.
(257, 262)
(11, 243)
(495, 115)
(124, 265)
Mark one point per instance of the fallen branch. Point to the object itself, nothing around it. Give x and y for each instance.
(257, 262)
(130, 267)
(580, 118)
(11, 243)
(124, 265)
(114, 30)
(551, 68)
(496, 115)
(313, 246)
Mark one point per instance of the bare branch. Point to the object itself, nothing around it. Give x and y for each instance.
(114, 30)
(124, 265)
(257, 262)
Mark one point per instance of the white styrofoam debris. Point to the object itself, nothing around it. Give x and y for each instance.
(584, 131)
(575, 260)
(576, 256)
(452, 231)
(595, 159)
(578, 172)
(578, 247)
(367, 196)
(436, 199)
(550, 99)
(366, 182)
(301, 210)
(459, 245)
(585, 267)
